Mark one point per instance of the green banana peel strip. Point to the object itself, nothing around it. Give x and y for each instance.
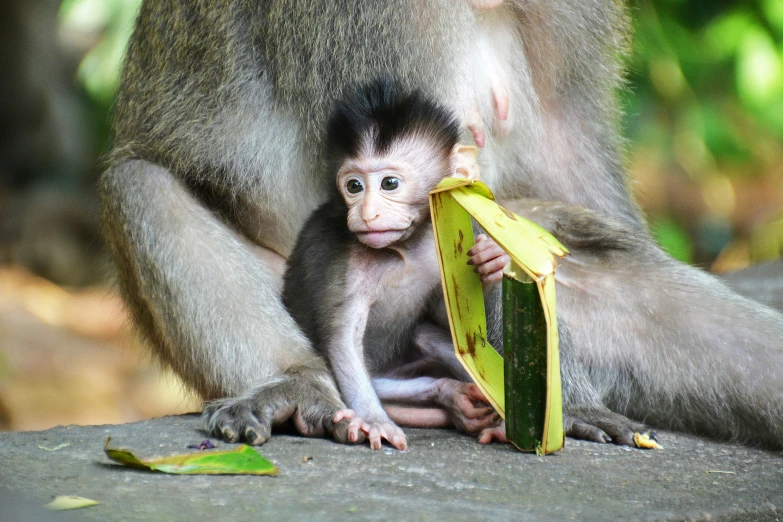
(242, 460)
(554, 434)
(452, 204)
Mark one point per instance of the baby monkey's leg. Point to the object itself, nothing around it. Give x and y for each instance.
(419, 417)
(465, 404)
(436, 349)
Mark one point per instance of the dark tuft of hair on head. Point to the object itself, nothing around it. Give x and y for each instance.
(383, 110)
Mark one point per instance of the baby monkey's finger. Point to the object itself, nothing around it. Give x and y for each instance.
(493, 265)
(345, 427)
(491, 279)
(482, 244)
(357, 430)
(497, 433)
(344, 414)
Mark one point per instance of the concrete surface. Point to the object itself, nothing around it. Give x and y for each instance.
(443, 476)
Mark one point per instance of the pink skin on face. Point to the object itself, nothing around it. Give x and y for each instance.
(378, 212)
(380, 238)
(388, 196)
(378, 228)
(380, 216)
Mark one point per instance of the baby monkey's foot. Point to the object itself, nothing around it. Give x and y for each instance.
(497, 434)
(375, 431)
(489, 260)
(467, 406)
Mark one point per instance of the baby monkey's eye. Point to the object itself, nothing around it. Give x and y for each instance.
(390, 183)
(354, 186)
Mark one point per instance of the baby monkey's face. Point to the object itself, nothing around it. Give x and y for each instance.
(388, 195)
(386, 199)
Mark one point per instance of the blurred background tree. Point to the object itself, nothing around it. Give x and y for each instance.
(704, 121)
(704, 118)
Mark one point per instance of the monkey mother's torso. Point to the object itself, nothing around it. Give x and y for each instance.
(268, 127)
(330, 274)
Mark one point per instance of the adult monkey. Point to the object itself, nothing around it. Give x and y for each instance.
(216, 166)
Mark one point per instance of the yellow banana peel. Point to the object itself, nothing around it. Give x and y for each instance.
(532, 249)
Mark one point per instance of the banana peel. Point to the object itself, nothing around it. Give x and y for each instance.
(645, 441)
(242, 460)
(533, 251)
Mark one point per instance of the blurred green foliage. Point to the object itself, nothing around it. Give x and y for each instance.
(110, 23)
(673, 238)
(705, 92)
(712, 70)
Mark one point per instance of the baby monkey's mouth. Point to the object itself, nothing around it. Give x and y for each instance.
(383, 238)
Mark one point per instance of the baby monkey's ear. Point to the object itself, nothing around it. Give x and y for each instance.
(463, 162)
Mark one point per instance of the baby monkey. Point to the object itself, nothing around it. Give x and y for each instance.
(363, 280)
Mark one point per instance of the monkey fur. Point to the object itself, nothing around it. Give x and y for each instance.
(363, 280)
(217, 164)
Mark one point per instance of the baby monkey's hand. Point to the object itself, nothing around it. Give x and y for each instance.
(489, 260)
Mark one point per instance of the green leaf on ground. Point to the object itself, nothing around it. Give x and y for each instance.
(243, 460)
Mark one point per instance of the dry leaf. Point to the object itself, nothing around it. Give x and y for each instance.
(64, 503)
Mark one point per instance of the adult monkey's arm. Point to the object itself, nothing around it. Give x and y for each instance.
(218, 123)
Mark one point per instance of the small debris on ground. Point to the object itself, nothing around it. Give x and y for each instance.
(63, 503)
(205, 445)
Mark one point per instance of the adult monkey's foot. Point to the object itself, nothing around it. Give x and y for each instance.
(593, 424)
(304, 397)
(600, 425)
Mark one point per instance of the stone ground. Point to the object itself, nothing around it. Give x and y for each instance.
(443, 476)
